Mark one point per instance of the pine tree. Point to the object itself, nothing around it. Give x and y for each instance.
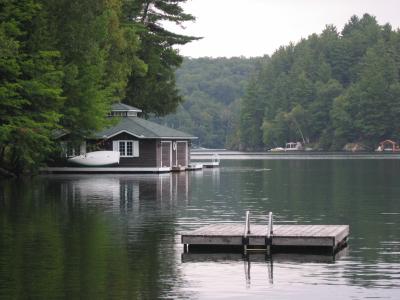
(156, 91)
(30, 87)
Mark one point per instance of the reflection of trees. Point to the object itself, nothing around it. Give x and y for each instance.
(57, 242)
(361, 193)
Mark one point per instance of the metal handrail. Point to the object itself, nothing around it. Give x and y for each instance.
(270, 225)
(247, 224)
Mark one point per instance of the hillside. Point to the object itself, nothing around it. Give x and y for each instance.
(212, 89)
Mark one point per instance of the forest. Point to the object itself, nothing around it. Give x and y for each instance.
(64, 62)
(212, 89)
(327, 90)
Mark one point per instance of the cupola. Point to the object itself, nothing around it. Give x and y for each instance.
(124, 110)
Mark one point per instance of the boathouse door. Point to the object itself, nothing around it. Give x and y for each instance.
(166, 154)
(181, 153)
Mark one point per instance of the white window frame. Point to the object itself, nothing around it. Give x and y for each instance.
(135, 148)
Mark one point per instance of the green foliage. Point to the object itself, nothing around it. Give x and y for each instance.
(212, 89)
(327, 90)
(99, 53)
(155, 91)
(30, 88)
(64, 62)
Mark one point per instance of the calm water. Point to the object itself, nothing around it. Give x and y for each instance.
(117, 236)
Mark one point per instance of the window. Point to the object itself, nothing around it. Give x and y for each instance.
(127, 148)
(119, 113)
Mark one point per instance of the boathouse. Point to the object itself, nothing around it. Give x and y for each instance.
(141, 143)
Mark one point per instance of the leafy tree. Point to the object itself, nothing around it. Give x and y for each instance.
(373, 99)
(329, 89)
(212, 89)
(251, 118)
(64, 62)
(99, 52)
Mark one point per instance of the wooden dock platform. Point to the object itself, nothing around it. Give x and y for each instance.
(194, 167)
(327, 236)
(104, 170)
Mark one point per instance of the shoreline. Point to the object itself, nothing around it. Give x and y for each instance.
(236, 155)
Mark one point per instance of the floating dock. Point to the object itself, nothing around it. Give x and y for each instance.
(194, 167)
(178, 168)
(332, 237)
(210, 162)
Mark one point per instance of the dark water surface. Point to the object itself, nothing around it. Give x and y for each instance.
(117, 236)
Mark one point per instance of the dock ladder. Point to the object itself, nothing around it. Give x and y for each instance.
(247, 233)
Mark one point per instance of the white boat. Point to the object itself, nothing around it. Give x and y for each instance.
(96, 159)
(277, 149)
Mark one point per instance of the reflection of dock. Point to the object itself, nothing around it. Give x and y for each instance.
(269, 237)
(261, 259)
(205, 256)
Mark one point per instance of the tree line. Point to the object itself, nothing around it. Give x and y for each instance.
(212, 89)
(64, 62)
(327, 90)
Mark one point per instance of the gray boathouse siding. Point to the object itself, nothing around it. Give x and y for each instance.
(151, 152)
(147, 151)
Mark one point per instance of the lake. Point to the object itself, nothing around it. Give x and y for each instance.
(117, 236)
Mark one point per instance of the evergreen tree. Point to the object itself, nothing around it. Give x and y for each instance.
(329, 89)
(98, 52)
(156, 92)
(30, 87)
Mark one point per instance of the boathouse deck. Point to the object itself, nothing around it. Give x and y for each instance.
(106, 170)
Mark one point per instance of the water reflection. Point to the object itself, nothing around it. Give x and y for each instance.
(123, 194)
(117, 236)
(262, 259)
(90, 237)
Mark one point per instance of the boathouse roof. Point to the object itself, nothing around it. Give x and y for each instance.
(131, 124)
(142, 129)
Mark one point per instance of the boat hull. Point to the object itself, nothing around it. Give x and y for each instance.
(96, 159)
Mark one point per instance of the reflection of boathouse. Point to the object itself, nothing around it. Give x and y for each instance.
(126, 193)
(141, 143)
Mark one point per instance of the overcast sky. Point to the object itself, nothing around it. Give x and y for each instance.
(258, 27)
